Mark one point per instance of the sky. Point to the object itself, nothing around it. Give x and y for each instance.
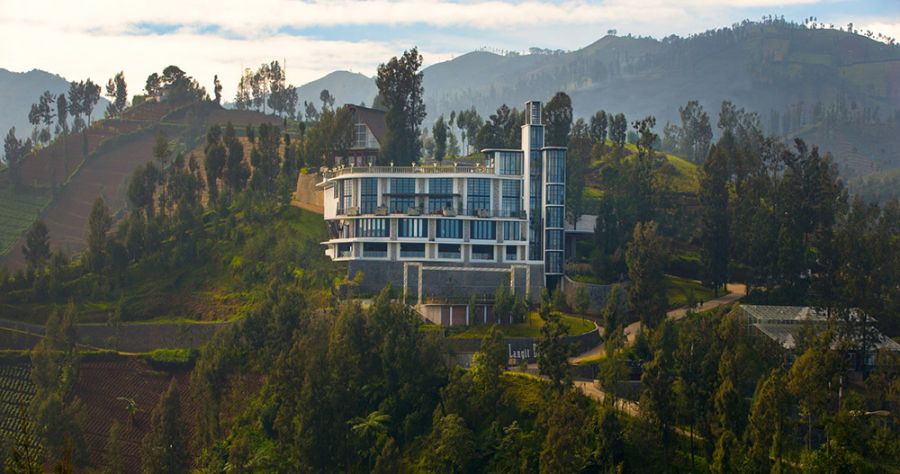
(97, 38)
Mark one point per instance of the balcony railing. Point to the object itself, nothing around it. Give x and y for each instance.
(383, 211)
(337, 172)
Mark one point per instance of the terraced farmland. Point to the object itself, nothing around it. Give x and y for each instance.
(18, 209)
(16, 392)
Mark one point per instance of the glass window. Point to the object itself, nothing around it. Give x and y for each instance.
(412, 228)
(346, 194)
(449, 229)
(449, 251)
(511, 192)
(360, 141)
(537, 137)
(482, 252)
(535, 113)
(555, 216)
(556, 194)
(344, 250)
(554, 240)
(556, 166)
(512, 231)
(553, 263)
(403, 194)
(482, 230)
(510, 163)
(479, 195)
(409, 250)
(512, 253)
(374, 249)
(372, 228)
(440, 194)
(368, 196)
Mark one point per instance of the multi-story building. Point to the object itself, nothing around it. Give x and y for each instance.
(448, 232)
(369, 129)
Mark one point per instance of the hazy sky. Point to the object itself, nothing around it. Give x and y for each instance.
(97, 38)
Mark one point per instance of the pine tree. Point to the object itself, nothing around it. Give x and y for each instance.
(646, 258)
(37, 245)
(165, 447)
(714, 220)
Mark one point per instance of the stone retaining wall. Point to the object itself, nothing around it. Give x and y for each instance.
(519, 348)
(598, 294)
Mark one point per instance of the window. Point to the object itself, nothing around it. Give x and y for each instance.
(368, 196)
(372, 228)
(554, 240)
(412, 228)
(510, 163)
(535, 113)
(512, 253)
(482, 252)
(556, 166)
(440, 194)
(408, 250)
(449, 251)
(555, 216)
(374, 250)
(346, 194)
(512, 231)
(344, 250)
(553, 263)
(511, 191)
(556, 194)
(479, 195)
(482, 230)
(361, 136)
(537, 137)
(449, 229)
(403, 194)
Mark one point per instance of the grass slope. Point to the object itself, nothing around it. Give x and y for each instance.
(530, 328)
(18, 210)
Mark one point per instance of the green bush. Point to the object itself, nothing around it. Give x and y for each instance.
(171, 357)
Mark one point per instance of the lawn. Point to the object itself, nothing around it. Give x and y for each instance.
(530, 328)
(680, 291)
(18, 209)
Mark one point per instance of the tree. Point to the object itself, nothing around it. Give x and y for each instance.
(399, 82)
(598, 127)
(15, 151)
(714, 218)
(453, 448)
(117, 91)
(161, 149)
(811, 379)
(557, 120)
(327, 100)
(165, 446)
(37, 245)
(766, 423)
(217, 90)
(565, 444)
(618, 126)
(62, 112)
(582, 300)
(439, 131)
(112, 457)
(99, 224)
(646, 259)
(554, 352)
(152, 85)
(89, 98)
(577, 165)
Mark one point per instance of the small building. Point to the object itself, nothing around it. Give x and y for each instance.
(784, 325)
(369, 130)
(445, 233)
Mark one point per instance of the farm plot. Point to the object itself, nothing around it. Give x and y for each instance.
(16, 392)
(107, 387)
(18, 209)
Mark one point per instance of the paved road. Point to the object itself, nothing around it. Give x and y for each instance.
(736, 291)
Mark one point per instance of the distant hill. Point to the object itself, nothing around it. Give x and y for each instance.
(820, 84)
(346, 87)
(18, 90)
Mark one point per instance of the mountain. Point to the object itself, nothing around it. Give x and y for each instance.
(18, 90)
(346, 87)
(820, 84)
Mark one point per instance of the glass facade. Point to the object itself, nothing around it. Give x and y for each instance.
(483, 230)
(511, 197)
(512, 231)
(449, 229)
(555, 218)
(374, 250)
(403, 192)
(410, 250)
(510, 163)
(372, 228)
(482, 252)
(368, 195)
(556, 166)
(412, 228)
(554, 240)
(440, 192)
(449, 251)
(512, 254)
(346, 194)
(556, 194)
(479, 195)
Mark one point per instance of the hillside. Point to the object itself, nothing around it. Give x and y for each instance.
(115, 148)
(346, 87)
(18, 90)
(798, 80)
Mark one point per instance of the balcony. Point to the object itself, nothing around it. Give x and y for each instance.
(438, 169)
(384, 211)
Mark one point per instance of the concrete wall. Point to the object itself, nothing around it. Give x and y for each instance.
(307, 196)
(598, 294)
(455, 285)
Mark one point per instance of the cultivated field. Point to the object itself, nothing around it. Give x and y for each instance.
(18, 209)
(16, 392)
